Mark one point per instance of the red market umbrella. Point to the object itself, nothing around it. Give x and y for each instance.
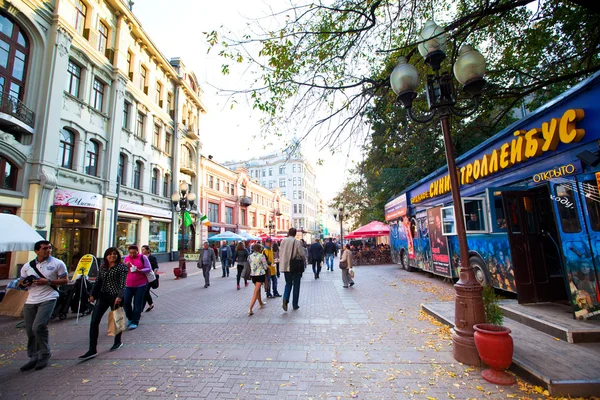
(372, 229)
(264, 236)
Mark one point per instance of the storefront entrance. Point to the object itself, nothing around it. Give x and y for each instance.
(74, 233)
(534, 239)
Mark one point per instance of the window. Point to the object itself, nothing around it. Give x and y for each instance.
(169, 102)
(130, 65)
(294, 181)
(218, 184)
(122, 163)
(300, 208)
(299, 181)
(8, 174)
(590, 188)
(244, 222)
(143, 76)
(293, 167)
(300, 195)
(159, 94)
(213, 212)
(126, 109)
(282, 182)
(264, 172)
(270, 184)
(567, 208)
(282, 170)
(270, 171)
(14, 51)
(67, 141)
(157, 237)
(139, 131)
(98, 95)
(137, 175)
(229, 215)
(210, 181)
(91, 159)
(80, 16)
(156, 136)
(295, 208)
(448, 224)
(155, 181)
(166, 180)
(253, 219)
(295, 195)
(475, 214)
(74, 79)
(168, 142)
(102, 37)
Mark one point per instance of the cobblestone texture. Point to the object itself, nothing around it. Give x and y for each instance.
(369, 342)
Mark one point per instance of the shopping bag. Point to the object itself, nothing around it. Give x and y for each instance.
(116, 321)
(351, 273)
(13, 302)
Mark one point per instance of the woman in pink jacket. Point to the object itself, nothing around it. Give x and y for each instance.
(135, 287)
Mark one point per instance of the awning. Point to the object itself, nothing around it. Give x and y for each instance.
(372, 229)
(16, 234)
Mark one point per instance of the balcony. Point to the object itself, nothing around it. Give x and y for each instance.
(245, 201)
(14, 115)
(188, 167)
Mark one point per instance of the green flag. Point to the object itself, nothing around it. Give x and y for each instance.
(187, 219)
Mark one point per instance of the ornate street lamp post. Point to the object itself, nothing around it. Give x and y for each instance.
(271, 227)
(469, 69)
(185, 201)
(341, 217)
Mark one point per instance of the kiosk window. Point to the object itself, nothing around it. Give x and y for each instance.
(500, 222)
(474, 215)
(448, 226)
(592, 202)
(565, 201)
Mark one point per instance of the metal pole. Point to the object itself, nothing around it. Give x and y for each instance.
(116, 215)
(182, 265)
(468, 309)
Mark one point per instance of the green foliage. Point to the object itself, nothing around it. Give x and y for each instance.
(491, 306)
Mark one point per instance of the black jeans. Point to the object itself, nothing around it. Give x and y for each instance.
(316, 267)
(102, 304)
(240, 268)
(148, 298)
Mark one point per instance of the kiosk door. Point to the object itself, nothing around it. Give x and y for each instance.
(535, 257)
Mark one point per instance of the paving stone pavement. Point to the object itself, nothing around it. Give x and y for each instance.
(369, 341)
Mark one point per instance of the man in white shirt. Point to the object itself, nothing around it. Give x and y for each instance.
(41, 276)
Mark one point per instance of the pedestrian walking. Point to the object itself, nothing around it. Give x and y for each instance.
(216, 250)
(291, 248)
(258, 273)
(108, 292)
(330, 249)
(205, 261)
(346, 262)
(41, 276)
(240, 258)
(154, 265)
(315, 257)
(135, 289)
(269, 253)
(226, 256)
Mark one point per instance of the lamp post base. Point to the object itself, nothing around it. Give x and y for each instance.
(182, 267)
(468, 311)
(464, 350)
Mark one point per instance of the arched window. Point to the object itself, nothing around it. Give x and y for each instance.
(155, 181)
(91, 159)
(121, 173)
(8, 174)
(14, 53)
(65, 156)
(166, 182)
(186, 157)
(137, 175)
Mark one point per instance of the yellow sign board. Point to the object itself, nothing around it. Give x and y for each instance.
(83, 266)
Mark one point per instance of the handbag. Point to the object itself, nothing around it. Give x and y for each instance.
(351, 273)
(154, 284)
(246, 271)
(116, 321)
(296, 264)
(343, 264)
(149, 275)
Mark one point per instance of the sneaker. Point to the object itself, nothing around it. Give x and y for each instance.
(245, 284)
(89, 355)
(41, 364)
(128, 324)
(295, 308)
(30, 365)
(132, 327)
(269, 296)
(116, 346)
(276, 295)
(345, 287)
(351, 283)
(284, 305)
(238, 287)
(205, 286)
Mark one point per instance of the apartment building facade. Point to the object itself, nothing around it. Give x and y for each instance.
(97, 128)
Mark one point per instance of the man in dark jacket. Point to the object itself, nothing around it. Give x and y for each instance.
(315, 256)
(330, 250)
(205, 261)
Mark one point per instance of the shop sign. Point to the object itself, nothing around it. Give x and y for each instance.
(524, 146)
(214, 229)
(554, 173)
(396, 208)
(76, 198)
(144, 210)
(191, 256)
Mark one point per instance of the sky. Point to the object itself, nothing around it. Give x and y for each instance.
(228, 133)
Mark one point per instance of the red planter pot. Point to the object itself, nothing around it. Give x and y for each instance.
(495, 347)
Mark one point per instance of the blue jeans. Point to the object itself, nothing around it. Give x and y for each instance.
(329, 261)
(36, 326)
(292, 280)
(138, 295)
(273, 288)
(225, 266)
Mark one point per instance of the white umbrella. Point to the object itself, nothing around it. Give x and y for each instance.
(248, 236)
(16, 234)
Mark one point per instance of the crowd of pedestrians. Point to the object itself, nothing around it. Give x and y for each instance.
(125, 282)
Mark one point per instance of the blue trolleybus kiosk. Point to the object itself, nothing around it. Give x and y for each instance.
(531, 203)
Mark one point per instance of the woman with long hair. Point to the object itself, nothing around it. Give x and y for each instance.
(240, 257)
(258, 272)
(108, 292)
